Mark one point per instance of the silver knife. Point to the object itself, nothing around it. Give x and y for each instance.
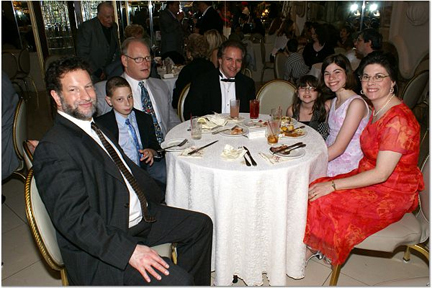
(198, 149)
(287, 147)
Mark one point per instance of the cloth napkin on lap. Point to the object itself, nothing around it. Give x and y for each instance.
(230, 153)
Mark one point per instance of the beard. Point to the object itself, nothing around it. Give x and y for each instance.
(75, 112)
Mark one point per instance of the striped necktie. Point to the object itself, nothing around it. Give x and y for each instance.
(129, 177)
(148, 109)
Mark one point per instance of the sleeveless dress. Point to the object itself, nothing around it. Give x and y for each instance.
(321, 127)
(348, 160)
(342, 219)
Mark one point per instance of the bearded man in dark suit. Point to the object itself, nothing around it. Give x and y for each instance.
(213, 90)
(107, 214)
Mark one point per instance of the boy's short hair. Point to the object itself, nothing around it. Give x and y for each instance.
(115, 82)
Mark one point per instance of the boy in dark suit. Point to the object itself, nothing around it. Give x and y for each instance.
(133, 129)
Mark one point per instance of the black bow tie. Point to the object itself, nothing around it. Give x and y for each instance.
(228, 80)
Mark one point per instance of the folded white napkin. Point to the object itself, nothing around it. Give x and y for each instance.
(256, 133)
(213, 121)
(230, 153)
(273, 159)
(198, 154)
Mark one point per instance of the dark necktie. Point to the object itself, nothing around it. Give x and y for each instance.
(129, 177)
(134, 136)
(148, 109)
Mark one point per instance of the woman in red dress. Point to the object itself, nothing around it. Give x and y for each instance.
(345, 209)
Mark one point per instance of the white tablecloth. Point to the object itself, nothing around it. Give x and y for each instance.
(259, 213)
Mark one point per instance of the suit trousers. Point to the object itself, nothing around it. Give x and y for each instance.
(192, 231)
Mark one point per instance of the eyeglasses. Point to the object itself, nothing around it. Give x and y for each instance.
(309, 88)
(140, 59)
(376, 78)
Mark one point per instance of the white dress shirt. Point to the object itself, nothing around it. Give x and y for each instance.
(228, 93)
(135, 211)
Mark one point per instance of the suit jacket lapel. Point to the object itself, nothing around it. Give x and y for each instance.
(102, 157)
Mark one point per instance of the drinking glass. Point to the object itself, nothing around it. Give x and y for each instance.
(253, 109)
(234, 108)
(196, 128)
(276, 113)
(272, 131)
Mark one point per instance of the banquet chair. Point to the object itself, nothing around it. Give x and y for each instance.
(413, 91)
(266, 64)
(411, 231)
(182, 99)
(19, 135)
(9, 64)
(27, 155)
(247, 72)
(44, 233)
(274, 94)
(339, 50)
(24, 73)
(279, 65)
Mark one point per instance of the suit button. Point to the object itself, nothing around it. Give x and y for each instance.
(126, 205)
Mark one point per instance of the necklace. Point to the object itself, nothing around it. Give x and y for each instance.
(385, 105)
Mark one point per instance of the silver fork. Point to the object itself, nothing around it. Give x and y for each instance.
(176, 145)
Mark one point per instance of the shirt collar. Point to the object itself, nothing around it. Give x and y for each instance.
(83, 124)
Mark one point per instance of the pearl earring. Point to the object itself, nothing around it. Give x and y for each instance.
(391, 90)
(361, 92)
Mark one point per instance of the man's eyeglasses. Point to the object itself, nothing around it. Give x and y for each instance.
(140, 59)
(309, 88)
(376, 78)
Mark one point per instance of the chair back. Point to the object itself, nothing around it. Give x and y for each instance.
(280, 65)
(274, 94)
(49, 60)
(263, 52)
(24, 61)
(42, 228)
(28, 155)
(423, 215)
(182, 99)
(9, 64)
(414, 89)
(19, 131)
(247, 72)
(339, 50)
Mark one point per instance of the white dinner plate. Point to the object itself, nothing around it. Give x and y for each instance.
(228, 132)
(175, 142)
(255, 124)
(297, 153)
(236, 120)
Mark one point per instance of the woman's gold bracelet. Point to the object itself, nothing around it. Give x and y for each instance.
(333, 185)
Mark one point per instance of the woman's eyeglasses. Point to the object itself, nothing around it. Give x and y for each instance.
(140, 59)
(376, 78)
(309, 88)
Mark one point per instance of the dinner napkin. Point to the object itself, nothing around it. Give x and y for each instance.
(230, 153)
(198, 154)
(168, 76)
(256, 133)
(213, 121)
(273, 159)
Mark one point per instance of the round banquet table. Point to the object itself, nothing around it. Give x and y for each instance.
(258, 212)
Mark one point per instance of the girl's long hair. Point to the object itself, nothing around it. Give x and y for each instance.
(319, 104)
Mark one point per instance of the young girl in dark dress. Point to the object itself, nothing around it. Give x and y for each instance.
(309, 106)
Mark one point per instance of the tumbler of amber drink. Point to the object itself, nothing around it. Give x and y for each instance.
(272, 131)
(253, 108)
(234, 108)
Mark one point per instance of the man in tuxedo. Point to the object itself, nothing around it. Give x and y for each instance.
(97, 41)
(209, 19)
(104, 207)
(213, 90)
